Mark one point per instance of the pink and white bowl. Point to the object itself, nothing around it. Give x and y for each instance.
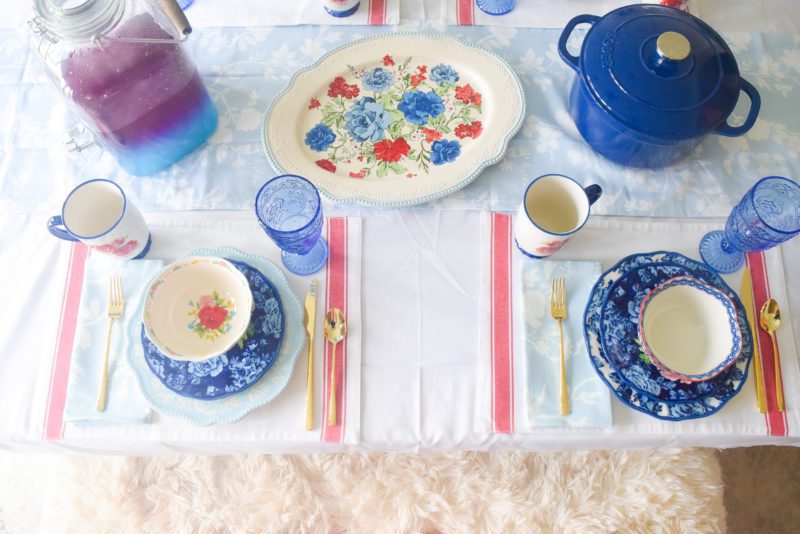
(689, 330)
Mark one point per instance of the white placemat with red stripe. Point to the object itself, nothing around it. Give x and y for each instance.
(500, 382)
(763, 290)
(216, 13)
(281, 420)
(526, 14)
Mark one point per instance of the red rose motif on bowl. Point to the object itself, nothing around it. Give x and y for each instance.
(212, 317)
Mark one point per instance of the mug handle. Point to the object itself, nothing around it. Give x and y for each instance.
(56, 227)
(755, 105)
(571, 60)
(593, 192)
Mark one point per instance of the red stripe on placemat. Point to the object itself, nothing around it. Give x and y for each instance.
(68, 323)
(377, 12)
(776, 421)
(336, 297)
(465, 12)
(501, 326)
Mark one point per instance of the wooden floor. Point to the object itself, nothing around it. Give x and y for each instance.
(762, 489)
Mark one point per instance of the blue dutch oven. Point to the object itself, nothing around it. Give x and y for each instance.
(652, 82)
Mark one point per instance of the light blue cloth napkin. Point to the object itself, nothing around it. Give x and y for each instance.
(589, 397)
(124, 401)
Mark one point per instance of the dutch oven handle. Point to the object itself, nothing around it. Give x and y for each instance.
(755, 105)
(571, 60)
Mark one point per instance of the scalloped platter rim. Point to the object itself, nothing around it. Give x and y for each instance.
(395, 119)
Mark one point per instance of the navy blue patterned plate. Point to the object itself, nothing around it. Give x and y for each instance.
(632, 396)
(241, 366)
(619, 314)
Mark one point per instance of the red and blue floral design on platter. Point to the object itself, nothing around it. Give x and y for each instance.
(400, 117)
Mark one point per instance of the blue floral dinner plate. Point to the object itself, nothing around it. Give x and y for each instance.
(632, 396)
(232, 407)
(619, 314)
(242, 365)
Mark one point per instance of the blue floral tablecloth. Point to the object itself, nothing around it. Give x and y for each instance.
(245, 68)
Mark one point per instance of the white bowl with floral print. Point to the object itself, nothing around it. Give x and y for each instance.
(197, 308)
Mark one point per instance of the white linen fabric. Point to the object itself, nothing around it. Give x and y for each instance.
(421, 281)
(771, 16)
(124, 402)
(279, 13)
(420, 327)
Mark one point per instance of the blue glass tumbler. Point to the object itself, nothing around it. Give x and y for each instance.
(290, 212)
(496, 7)
(767, 215)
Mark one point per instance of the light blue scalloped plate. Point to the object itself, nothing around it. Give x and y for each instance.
(234, 407)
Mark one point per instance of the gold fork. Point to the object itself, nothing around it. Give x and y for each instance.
(116, 305)
(558, 310)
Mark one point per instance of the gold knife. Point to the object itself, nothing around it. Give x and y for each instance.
(310, 319)
(746, 294)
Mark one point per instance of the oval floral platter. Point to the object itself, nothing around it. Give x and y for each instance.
(395, 119)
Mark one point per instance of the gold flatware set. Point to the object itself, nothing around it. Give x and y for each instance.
(334, 330)
(769, 319)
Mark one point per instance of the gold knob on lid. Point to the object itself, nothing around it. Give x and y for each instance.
(674, 46)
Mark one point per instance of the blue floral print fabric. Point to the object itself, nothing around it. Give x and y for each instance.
(245, 68)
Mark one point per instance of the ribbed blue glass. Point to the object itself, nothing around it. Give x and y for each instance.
(290, 212)
(496, 7)
(767, 215)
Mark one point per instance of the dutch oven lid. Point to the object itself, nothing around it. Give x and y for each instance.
(660, 72)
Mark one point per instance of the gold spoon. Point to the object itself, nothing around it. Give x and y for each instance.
(770, 321)
(335, 328)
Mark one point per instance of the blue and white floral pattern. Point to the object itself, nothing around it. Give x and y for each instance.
(642, 387)
(442, 74)
(444, 151)
(241, 366)
(245, 68)
(232, 407)
(418, 106)
(319, 138)
(378, 80)
(619, 326)
(366, 120)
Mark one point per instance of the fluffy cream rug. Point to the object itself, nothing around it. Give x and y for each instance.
(626, 491)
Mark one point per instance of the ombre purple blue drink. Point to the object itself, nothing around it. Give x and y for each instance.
(145, 100)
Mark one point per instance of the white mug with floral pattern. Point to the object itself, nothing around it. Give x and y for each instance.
(553, 209)
(341, 8)
(98, 214)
